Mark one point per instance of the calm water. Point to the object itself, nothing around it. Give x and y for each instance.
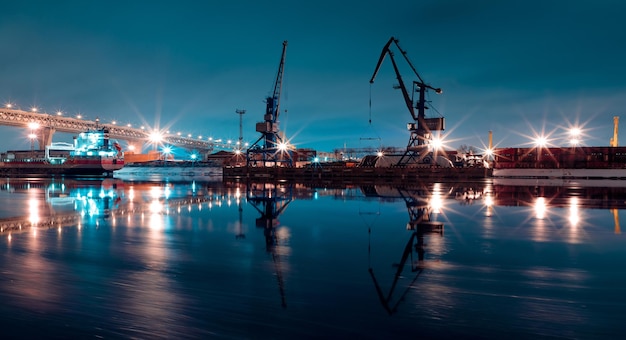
(109, 259)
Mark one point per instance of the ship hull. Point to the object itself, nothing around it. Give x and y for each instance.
(92, 167)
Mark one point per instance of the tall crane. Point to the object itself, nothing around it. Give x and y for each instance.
(421, 127)
(270, 147)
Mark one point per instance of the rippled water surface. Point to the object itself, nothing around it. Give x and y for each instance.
(114, 259)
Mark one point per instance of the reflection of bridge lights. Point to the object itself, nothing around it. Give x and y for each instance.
(33, 211)
(156, 207)
(540, 208)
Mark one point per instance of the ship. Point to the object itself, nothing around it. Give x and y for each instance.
(92, 154)
(166, 170)
(575, 162)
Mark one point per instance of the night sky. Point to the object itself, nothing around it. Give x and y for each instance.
(513, 67)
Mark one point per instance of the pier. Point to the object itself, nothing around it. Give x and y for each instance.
(345, 174)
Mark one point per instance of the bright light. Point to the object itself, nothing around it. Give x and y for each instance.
(113, 122)
(129, 125)
(155, 137)
(194, 156)
(489, 152)
(436, 143)
(59, 113)
(189, 135)
(9, 105)
(32, 136)
(33, 125)
(178, 133)
(379, 154)
(316, 160)
(167, 150)
(540, 208)
(575, 132)
(131, 147)
(574, 141)
(282, 146)
(541, 141)
(237, 152)
(34, 109)
(79, 116)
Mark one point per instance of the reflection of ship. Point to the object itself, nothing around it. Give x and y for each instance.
(560, 162)
(91, 155)
(67, 202)
(172, 171)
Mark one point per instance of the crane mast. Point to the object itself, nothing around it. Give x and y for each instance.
(270, 148)
(421, 127)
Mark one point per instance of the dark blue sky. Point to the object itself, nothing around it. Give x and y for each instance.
(512, 67)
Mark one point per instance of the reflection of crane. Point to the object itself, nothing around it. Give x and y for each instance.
(420, 223)
(421, 126)
(270, 201)
(273, 149)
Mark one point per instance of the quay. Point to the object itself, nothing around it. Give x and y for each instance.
(343, 174)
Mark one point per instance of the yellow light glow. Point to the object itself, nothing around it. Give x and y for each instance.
(540, 208)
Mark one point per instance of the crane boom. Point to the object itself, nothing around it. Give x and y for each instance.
(273, 102)
(405, 93)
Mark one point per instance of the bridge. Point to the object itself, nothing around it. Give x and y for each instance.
(49, 124)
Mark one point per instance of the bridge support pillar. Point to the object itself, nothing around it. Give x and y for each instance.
(45, 137)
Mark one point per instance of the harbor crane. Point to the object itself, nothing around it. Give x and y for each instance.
(270, 149)
(421, 127)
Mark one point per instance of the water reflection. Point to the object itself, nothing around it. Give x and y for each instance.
(270, 200)
(177, 260)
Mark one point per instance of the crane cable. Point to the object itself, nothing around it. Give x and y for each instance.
(370, 108)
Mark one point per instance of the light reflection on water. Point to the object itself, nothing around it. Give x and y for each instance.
(196, 260)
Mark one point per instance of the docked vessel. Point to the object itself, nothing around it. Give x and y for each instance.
(92, 154)
(561, 162)
(171, 171)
